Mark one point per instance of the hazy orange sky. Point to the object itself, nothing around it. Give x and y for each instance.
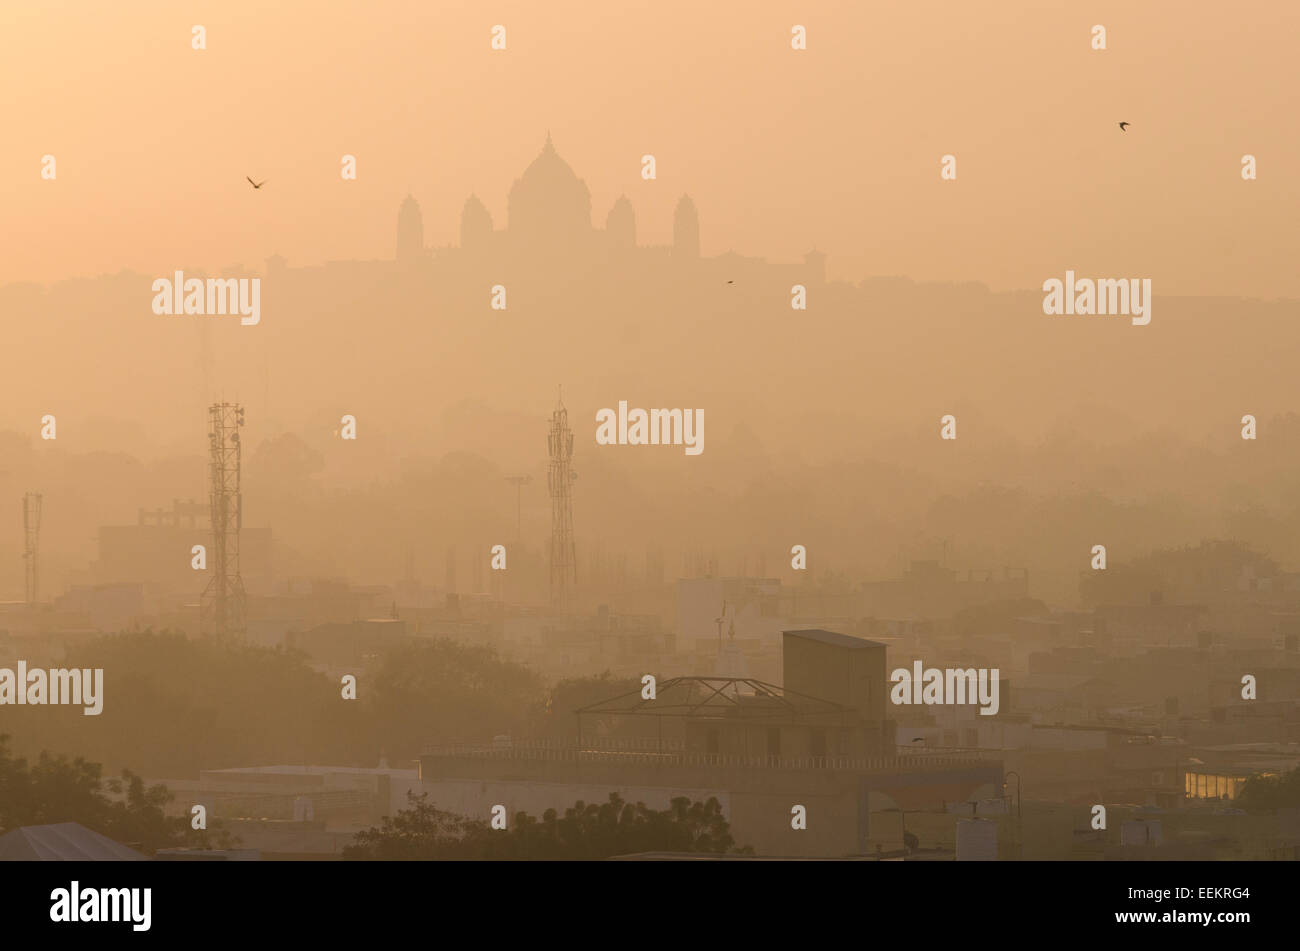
(836, 147)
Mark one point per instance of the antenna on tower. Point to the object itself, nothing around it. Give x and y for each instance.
(222, 606)
(31, 544)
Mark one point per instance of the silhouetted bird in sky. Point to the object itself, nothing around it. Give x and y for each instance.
(731, 282)
(256, 184)
(1123, 127)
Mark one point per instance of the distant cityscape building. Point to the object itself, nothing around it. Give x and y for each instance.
(686, 229)
(548, 215)
(410, 231)
(549, 206)
(824, 735)
(620, 225)
(732, 662)
(475, 224)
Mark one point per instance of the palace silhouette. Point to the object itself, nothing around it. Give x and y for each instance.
(549, 224)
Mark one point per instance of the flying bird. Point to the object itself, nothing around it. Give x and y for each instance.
(731, 282)
(1123, 127)
(256, 184)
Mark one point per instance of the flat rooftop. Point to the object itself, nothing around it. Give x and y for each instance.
(313, 770)
(833, 638)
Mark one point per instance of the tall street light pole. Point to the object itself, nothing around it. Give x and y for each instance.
(1007, 776)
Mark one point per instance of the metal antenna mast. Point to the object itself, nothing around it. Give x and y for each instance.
(31, 544)
(221, 610)
(519, 481)
(564, 558)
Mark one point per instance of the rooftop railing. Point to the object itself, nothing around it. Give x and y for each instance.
(651, 755)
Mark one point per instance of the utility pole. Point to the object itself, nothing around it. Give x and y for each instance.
(31, 544)
(519, 481)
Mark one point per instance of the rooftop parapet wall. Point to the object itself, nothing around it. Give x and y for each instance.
(912, 780)
(943, 760)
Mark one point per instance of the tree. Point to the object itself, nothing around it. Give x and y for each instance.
(56, 789)
(418, 832)
(586, 831)
(1270, 793)
(572, 694)
(444, 692)
(176, 705)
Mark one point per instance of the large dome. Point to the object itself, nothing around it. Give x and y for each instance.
(549, 201)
